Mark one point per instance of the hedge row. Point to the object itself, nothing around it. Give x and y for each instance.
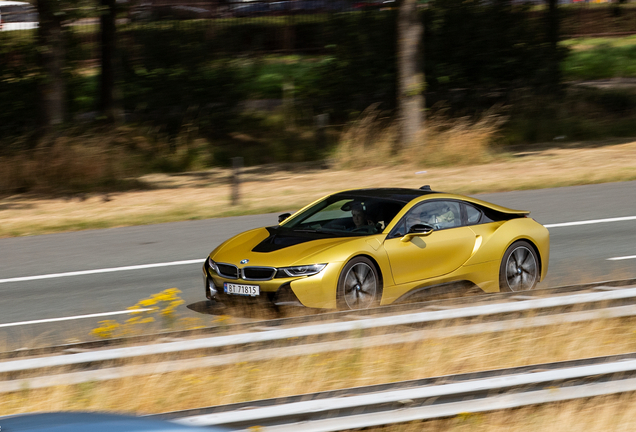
(172, 69)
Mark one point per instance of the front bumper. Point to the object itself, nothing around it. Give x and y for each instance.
(316, 291)
(276, 291)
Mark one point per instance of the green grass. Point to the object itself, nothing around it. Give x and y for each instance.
(266, 76)
(581, 113)
(599, 58)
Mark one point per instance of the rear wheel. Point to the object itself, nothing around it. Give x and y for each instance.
(519, 269)
(359, 285)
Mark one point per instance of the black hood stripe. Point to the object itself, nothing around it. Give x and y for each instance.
(281, 238)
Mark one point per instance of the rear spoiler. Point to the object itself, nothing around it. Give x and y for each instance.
(498, 208)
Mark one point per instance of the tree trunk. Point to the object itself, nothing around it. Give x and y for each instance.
(51, 60)
(107, 77)
(554, 72)
(410, 99)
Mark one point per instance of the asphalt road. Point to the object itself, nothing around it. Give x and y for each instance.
(579, 253)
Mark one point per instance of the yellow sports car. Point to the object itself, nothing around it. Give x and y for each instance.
(365, 247)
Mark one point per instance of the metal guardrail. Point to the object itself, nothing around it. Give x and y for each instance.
(309, 319)
(264, 354)
(314, 330)
(423, 399)
(256, 346)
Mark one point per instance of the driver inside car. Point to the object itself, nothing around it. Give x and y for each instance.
(361, 220)
(447, 218)
(439, 217)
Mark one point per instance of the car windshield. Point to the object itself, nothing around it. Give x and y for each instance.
(354, 215)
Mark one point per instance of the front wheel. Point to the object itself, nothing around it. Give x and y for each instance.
(359, 285)
(519, 270)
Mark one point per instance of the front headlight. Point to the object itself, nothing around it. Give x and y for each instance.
(306, 270)
(213, 266)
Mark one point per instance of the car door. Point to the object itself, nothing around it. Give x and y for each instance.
(445, 249)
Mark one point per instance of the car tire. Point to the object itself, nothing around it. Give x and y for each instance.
(359, 285)
(519, 270)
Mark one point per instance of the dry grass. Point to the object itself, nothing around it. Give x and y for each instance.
(460, 141)
(367, 142)
(68, 163)
(356, 367)
(273, 188)
(370, 142)
(614, 413)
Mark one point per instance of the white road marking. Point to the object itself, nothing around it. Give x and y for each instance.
(622, 258)
(199, 261)
(590, 222)
(96, 315)
(105, 270)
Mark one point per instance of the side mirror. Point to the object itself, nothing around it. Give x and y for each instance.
(421, 229)
(417, 230)
(283, 216)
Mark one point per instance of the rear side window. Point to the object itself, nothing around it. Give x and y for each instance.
(473, 215)
(483, 215)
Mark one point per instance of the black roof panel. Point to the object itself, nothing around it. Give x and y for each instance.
(397, 194)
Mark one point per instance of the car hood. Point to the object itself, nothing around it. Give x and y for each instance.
(273, 248)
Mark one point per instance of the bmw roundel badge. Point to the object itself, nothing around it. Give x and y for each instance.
(245, 261)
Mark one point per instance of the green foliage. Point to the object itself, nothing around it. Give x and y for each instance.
(360, 67)
(81, 82)
(177, 72)
(263, 77)
(170, 78)
(19, 77)
(476, 46)
(270, 137)
(582, 114)
(485, 44)
(195, 74)
(605, 60)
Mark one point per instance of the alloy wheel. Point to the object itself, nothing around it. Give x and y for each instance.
(360, 286)
(521, 269)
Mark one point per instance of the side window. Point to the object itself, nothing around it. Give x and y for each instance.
(438, 214)
(473, 215)
(400, 229)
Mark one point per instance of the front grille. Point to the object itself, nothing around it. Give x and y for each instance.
(258, 273)
(228, 271)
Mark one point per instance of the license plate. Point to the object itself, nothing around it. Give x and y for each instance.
(246, 290)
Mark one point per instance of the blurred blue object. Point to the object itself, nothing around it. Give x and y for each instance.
(92, 422)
